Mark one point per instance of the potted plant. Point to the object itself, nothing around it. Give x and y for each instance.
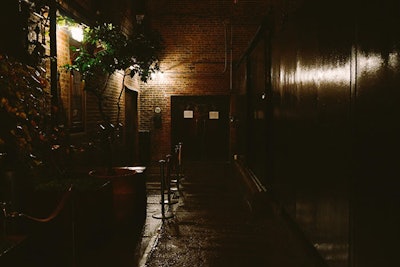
(33, 145)
(104, 50)
(28, 138)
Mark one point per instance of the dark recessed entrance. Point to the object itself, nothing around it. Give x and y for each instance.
(202, 124)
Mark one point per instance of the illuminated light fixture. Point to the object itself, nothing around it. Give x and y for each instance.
(158, 75)
(76, 33)
(131, 82)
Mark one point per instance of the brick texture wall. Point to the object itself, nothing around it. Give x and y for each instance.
(203, 40)
(91, 113)
(63, 57)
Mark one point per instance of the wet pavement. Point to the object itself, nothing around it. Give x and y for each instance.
(211, 226)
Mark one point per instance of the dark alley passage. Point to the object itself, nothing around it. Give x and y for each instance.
(287, 112)
(213, 227)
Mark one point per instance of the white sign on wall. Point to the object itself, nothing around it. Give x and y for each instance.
(213, 115)
(188, 114)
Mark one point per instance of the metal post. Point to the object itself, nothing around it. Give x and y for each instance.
(179, 168)
(176, 173)
(169, 201)
(73, 229)
(53, 57)
(163, 214)
(180, 160)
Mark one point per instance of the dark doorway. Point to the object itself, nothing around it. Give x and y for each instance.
(202, 124)
(131, 126)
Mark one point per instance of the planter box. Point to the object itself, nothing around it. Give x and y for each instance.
(83, 224)
(129, 195)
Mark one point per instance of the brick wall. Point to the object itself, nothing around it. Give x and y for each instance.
(203, 40)
(199, 38)
(91, 113)
(63, 57)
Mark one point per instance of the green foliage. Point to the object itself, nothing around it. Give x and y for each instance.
(27, 135)
(106, 49)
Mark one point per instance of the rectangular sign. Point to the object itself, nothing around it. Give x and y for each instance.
(213, 115)
(188, 114)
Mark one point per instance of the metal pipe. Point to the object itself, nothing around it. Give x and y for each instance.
(53, 56)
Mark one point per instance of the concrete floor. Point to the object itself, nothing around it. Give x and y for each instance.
(211, 226)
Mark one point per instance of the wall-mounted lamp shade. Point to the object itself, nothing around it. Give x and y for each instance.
(76, 33)
(132, 83)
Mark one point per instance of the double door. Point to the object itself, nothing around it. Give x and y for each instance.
(202, 124)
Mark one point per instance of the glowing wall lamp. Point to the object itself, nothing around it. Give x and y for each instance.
(76, 33)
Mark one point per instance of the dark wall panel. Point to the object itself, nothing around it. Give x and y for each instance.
(311, 81)
(335, 80)
(377, 131)
(333, 158)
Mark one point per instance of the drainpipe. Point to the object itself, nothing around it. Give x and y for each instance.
(53, 56)
(231, 60)
(226, 47)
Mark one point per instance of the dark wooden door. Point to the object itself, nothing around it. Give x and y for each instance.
(202, 124)
(131, 126)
